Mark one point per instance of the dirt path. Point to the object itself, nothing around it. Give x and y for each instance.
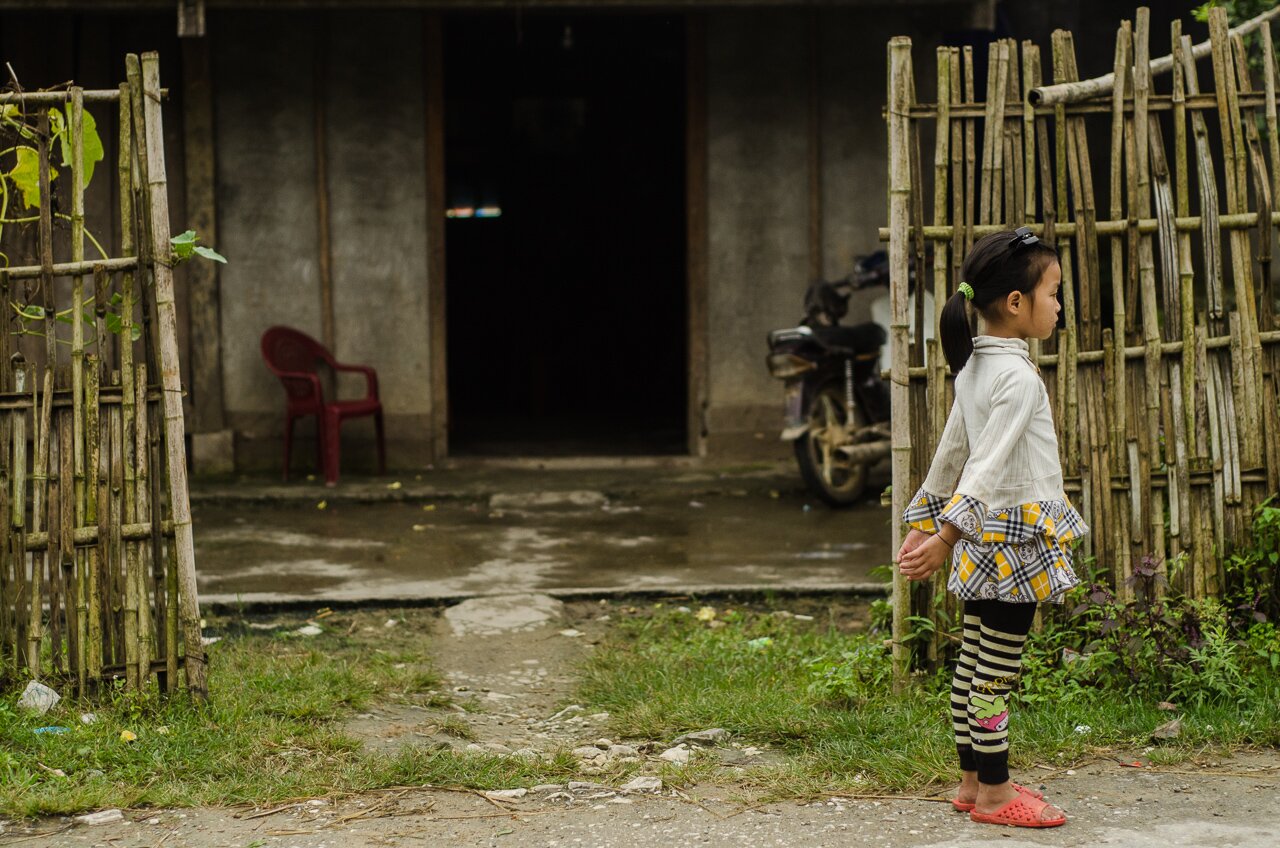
(510, 669)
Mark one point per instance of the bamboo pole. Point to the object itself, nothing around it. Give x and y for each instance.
(1069, 229)
(19, 521)
(957, 174)
(899, 200)
(1266, 315)
(175, 464)
(970, 160)
(93, 434)
(1075, 91)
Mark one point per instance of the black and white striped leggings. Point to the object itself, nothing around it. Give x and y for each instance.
(995, 633)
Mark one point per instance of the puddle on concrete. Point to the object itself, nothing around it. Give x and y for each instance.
(401, 550)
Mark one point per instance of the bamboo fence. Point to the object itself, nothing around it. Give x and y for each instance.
(1165, 378)
(97, 567)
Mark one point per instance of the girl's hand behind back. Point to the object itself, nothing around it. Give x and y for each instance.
(925, 559)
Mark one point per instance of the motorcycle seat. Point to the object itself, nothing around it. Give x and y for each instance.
(860, 338)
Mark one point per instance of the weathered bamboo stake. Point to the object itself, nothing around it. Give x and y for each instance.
(19, 520)
(1149, 150)
(1030, 77)
(941, 161)
(970, 161)
(957, 173)
(119, 561)
(66, 544)
(1124, 39)
(138, 509)
(989, 135)
(1266, 315)
(1186, 284)
(899, 200)
(11, 577)
(1251, 348)
(1015, 179)
(1210, 225)
(1069, 229)
(175, 464)
(1233, 388)
(92, 429)
(1075, 91)
(1236, 174)
(917, 220)
(53, 575)
(1068, 404)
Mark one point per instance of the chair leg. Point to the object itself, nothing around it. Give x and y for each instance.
(332, 448)
(321, 468)
(382, 442)
(288, 444)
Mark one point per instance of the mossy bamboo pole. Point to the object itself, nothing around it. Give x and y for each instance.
(120, 562)
(175, 463)
(899, 209)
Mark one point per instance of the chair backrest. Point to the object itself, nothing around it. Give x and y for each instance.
(285, 350)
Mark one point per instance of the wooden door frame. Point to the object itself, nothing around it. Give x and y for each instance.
(696, 228)
(433, 70)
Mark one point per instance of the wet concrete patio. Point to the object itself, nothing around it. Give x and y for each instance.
(456, 534)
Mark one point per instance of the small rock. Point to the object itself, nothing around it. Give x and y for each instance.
(153, 821)
(1165, 705)
(623, 751)
(643, 784)
(584, 786)
(526, 754)
(678, 755)
(88, 718)
(102, 817)
(571, 633)
(391, 622)
(1168, 730)
(506, 794)
(496, 748)
(800, 617)
(309, 630)
(603, 743)
(566, 712)
(598, 717)
(548, 787)
(715, 736)
(587, 752)
(38, 698)
(317, 802)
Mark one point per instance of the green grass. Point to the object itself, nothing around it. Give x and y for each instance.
(663, 675)
(272, 731)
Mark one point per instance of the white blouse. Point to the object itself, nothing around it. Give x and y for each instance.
(999, 446)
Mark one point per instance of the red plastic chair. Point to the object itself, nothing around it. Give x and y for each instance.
(294, 357)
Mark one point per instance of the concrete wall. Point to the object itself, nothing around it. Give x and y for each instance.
(264, 71)
(758, 77)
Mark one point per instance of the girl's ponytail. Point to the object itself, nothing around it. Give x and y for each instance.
(956, 332)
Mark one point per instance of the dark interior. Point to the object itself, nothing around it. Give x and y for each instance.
(566, 308)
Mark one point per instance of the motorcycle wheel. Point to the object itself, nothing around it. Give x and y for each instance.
(827, 472)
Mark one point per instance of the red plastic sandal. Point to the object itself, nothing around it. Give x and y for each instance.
(1022, 811)
(965, 806)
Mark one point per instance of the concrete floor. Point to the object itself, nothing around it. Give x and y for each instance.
(564, 532)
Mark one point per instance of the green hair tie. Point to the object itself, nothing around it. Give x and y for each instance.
(966, 290)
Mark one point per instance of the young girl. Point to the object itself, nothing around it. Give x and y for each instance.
(1006, 524)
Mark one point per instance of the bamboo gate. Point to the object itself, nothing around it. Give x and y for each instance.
(97, 568)
(1164, 380)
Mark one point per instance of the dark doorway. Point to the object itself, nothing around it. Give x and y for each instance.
(565, 244)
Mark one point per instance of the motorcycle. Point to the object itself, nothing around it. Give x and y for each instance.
(836, 403)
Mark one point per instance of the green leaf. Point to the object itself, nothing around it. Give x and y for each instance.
(30, 312)
(92, 153)
(26, 175)
(210, 253)
(189, 237)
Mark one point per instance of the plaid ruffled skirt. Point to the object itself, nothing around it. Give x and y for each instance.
(1016, 553)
